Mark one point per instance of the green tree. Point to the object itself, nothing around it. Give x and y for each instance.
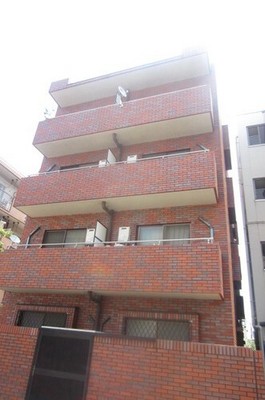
(4, 233)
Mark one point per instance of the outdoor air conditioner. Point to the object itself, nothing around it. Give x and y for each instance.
(132, 158)
(102, 163)
(124, 234)
(90, 236)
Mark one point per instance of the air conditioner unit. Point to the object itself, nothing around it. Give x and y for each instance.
(132, 158)
(124, 234)
(90, 236)
(102, 163)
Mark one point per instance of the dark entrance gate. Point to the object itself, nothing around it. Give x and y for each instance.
(61, 365)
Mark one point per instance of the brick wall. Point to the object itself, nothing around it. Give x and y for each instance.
(189, 142)
(214, 318)
(134, 369)
(154, 176)
(156, 108)
(17, 346)
(133, 95)
(189, 270)
(124, 368)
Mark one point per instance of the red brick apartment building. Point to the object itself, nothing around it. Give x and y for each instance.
(128, 234)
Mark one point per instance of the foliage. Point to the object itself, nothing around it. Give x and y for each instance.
(248, 336)
(4, 233)
(250, 344)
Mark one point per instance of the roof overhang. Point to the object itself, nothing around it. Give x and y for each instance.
(146, 76)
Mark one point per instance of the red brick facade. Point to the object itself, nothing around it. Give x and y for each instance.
(163, 106)
(191, 282)
(196, 171)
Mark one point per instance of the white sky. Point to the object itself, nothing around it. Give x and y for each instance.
(45, 41)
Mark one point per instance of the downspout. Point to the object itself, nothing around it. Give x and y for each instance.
(115, 140)
(110, 213)
(30, 236)
(209, 226)
(97, 299)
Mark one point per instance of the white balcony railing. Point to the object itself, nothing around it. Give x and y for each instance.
(151, 242)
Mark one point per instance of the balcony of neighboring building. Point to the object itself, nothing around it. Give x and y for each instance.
(10, 217)
(168, 115)
(192, 269)
(186, 179)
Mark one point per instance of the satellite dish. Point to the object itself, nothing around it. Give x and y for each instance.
(122, 91)
(15, 239)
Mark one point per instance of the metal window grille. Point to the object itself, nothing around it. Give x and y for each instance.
(158, 329)
(36, 319)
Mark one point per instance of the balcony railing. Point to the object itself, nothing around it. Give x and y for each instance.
(192, 270)
(6, 200)
(153, 242)
(157, 182)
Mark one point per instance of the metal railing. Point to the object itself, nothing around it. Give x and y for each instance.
(205, 150)
(151, 242)
(6, 200)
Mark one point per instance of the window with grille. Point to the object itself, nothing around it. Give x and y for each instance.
(36, 319)
(64, 237)
(259, 187)
(158, 329)
(256, 134)
(153, 234)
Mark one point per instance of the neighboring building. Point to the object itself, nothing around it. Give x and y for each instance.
(250, 130)
(128, 233)
(10, 217)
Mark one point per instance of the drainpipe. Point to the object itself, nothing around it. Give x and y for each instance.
(30, 236)
(115, 140)
(110, 213)
(97, 299)
(209, 226)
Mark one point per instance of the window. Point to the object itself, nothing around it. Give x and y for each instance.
(165, 153)
(263, 253)
(152, 234)
(158, 329)
(75, 166)
(2, 191)
(259, 185)
(65, 237)
(36, 319)
(256, 134)
(228, 163)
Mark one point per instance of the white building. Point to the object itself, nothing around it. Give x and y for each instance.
(250, 131)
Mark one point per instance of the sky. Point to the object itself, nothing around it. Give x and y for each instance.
(42, 42)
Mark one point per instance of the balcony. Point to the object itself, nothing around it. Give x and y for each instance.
(181, 180)
(170, 115)
(187, 271)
